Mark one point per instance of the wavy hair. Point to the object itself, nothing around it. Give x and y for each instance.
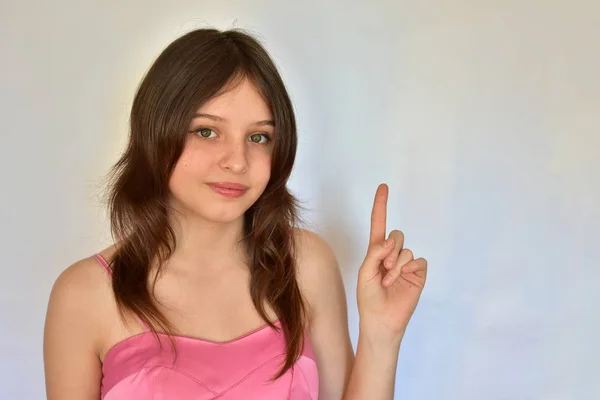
(189, 72)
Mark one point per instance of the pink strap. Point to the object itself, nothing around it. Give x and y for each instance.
(103, 262)
(108, 270)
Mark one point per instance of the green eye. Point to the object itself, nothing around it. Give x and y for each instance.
(258, 138)
(205, 132)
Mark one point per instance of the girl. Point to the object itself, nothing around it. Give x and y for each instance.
(211, 290)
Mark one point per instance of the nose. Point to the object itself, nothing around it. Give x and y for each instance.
(235, 157)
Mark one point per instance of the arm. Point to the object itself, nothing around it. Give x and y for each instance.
(71, 363)
(374, 372)
(390, 282)
(321, 284)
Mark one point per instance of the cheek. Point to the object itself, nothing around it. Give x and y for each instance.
(189, 169)
(262, 168)
(194, 161)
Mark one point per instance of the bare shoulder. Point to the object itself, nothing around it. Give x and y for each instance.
(74, 331)
(79, 297)
(318, 271)
(82, 281)
(312, 246)
(315, 257)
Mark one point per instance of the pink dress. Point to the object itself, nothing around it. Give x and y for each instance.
(138, 368)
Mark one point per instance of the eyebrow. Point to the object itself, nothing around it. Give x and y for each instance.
(268, 122)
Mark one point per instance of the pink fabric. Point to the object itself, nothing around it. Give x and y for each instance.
(141, 367)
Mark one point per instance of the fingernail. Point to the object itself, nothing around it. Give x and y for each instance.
(387, 281)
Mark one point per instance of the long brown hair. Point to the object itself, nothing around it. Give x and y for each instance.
(189, 72)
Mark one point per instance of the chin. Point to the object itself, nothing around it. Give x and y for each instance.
(216, 208)
(221, 218)
(222, 212)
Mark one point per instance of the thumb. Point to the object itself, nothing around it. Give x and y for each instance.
(376, 254)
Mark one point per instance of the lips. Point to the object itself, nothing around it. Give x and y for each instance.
(228, 189)
(229, 185)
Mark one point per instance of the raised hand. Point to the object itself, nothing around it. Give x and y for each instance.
(390, 280)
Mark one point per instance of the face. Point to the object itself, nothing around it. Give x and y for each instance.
(229, 147)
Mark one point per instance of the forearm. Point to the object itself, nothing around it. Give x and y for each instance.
(374, 372)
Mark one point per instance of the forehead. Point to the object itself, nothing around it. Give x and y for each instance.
(242, 101)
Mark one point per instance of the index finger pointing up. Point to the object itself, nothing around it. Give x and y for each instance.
(379, 215)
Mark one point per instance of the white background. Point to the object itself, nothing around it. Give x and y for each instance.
(482, 116)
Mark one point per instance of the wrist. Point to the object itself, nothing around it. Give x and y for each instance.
(374, 370)
(379, 338)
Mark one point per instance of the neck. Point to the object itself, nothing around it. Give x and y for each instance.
(207, 243)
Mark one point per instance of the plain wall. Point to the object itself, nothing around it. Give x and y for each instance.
(482, 116)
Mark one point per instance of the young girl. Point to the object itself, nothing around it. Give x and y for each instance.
(211, 291)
